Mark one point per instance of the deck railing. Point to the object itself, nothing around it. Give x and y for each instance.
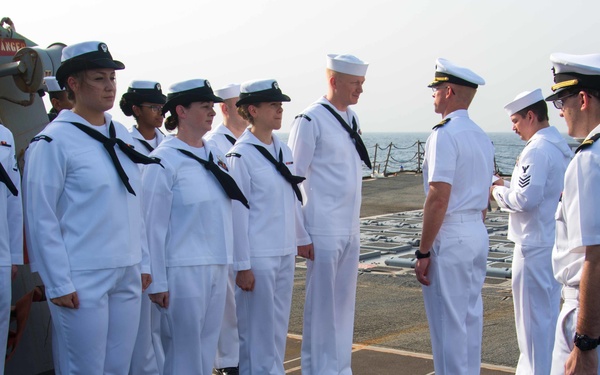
(392, 165)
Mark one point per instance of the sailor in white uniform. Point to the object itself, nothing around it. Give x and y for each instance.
(83, 221)
(576, 254)
(190, 238)
(144, 101)
(327, 150)
(58, 97)
(225, 136)
(451, 260)
(265, 235)
(531, 198)
(11, 230)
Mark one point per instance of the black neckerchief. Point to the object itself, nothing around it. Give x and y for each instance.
(227, 182)
(109, 145)
(283, 170)
(358, 142)
(230, 138)
(5, 178)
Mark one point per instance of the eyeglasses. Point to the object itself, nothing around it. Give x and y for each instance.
(560, 103)
(436, 88)
(153, 108)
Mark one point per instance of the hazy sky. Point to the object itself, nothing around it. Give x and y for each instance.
(507, 42)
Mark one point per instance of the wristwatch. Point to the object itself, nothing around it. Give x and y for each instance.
(584, 342)
(420, 255)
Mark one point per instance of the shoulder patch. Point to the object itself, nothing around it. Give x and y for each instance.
(302, 115)
(234, 154)
(441, 123)
(41, 137)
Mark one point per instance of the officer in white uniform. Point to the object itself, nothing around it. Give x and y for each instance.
(265, 235)
(190, 235)
(83, 221)
(225, 136)
(576, 254)
(58, 97)
(144, 101)
(11, 229)
(327, 150)
(531, 198)
(451, 260)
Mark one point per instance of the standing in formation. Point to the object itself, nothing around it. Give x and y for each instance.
(83, 219)
(451, 260)
(264, 235)
(101, 229)
(11, 228)
(144, 101)
(531, 199)
(225, 136)
(58, 97)
(576, 254)
(327, 150)
(187, 212)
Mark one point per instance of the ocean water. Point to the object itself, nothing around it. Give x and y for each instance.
(402, 155)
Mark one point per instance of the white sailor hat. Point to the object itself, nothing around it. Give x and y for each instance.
(193, 90)
(347, 64)
(570, 71)
(448, 72)
(261, 91)
(145, 91)
(524, 100)
(51, 84)
(232, 90)
(84, 56)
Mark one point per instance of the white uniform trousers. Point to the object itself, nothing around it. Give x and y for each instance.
(194, 316)
(98, 337)
(228, 349)
(329, 307)
(536, 296)
(264, 314)
(5, 296)
(566, 326)
(453, 299)
(148, 357)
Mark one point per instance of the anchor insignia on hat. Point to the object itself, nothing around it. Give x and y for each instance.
(103, 47)
(275, 86)
(158, 87)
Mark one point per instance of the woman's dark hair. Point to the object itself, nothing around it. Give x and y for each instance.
(127, 102)
(78, 76)
(172, 122)
(245, 114)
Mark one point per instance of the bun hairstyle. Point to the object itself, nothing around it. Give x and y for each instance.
(127, 102)
(172, 122)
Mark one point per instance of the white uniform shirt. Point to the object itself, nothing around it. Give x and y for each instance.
(577, 222)
(138, 138)
(535, 188)
(324, 153)
(11, 209)
(459, 153)
(217, 135)
(187, 211)
(78, 213)
(268, 228)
